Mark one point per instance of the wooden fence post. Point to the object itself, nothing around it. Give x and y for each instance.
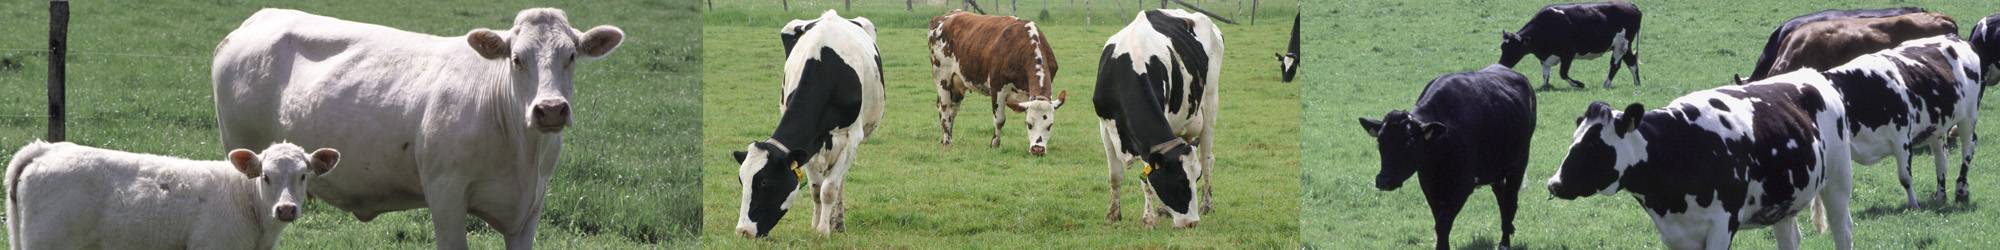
(58, 48)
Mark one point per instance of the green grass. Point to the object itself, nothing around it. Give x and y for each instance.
(907, 191)
(1367, 57)
(138, 81)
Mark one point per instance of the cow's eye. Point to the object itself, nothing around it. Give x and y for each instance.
(267, 180)
(302, 178)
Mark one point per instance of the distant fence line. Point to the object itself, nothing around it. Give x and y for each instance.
(74, 52)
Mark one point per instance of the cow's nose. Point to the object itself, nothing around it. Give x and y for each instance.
(746, 232)
(288, 212)
(1189, 223)
(1038, 150)
(551, 115)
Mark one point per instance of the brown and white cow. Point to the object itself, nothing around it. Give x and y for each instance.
(1831, 43)
(1003, 57)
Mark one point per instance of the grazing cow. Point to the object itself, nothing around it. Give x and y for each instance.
(460, 125)
(1288, 63)
(1831, 43)
(1003, 57)
(1156, 102)
(1780, 35)
(833, 90)
(66, 196)
(1909, 97)
(1986, 42)
(1721, 160)
(1467, 130)
(1563, 32)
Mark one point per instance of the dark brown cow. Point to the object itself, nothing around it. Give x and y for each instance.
(1828, 44)
(1003, 57)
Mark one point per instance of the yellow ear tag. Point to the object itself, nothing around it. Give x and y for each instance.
(796, 171)
(1147, 171)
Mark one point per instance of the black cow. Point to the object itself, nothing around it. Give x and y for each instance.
(1467, 130)
(1288, 63)
(832, 97)
(1779, 35)
(1581, 30)
(1986, 42)
(1721, 160)
(1156, 101)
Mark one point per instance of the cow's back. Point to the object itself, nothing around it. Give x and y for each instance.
(1491, 112)
(994, 51)
(1828, 44)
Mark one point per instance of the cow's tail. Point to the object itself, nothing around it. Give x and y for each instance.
(21, 159)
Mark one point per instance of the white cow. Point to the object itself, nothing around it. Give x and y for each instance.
(460, 125)
(67, 196)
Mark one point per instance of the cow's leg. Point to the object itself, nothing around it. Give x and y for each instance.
(1445, 204)
(1207, 169)
(999, 118)
(1507, 192)
(1105, 133)
(1616, 58)
(1968, 142)
(1903, 174)
(947, 105)
(1565, 72)
(1943, 167)
(1631, 61)
(447, 202)
(1787, 233)
(1838, 195)
(1546, 64)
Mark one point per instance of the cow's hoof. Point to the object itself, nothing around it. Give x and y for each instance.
(1501, 247)
(1113, 216)
(1939, 195)
(1546, 86)
(1913, 203)
(1964, 196)
(1575, 83)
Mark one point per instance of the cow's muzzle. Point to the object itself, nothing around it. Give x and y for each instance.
(550, 115)
(287, 212)
(747, 232)
(1038, 150)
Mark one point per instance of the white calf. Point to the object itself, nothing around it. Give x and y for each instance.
(67, 196)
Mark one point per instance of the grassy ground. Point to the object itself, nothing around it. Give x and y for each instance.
(1367, 57)
(907, 191)
(138, 81)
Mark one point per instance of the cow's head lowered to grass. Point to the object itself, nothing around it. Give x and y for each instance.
(281, 173)
(1406, 144)
(1512, 48)
(1606, 145)
(1173, 172)
(1041, 114)
(542, 49)
(770, 175)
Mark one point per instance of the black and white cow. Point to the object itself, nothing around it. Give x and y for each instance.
(1781, 34)
(1563, 32)
(1156, 102)
(1986, 42)
(1720, 160)
(833, 90)
(1909, 97)
(1288, 63)
(1467, 130)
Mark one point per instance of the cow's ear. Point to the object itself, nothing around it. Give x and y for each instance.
(1630, 120)
(489, 44)
(1431, 130)
(600, 41)
(1509, 36)
(739, 156)
(1061, 98)
(323, 160)
(246, 162)
(1374, 127)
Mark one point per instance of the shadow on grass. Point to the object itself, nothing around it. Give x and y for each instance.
(1938, 206)
(1488, 243)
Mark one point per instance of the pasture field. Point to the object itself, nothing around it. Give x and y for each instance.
(139, 81)
(908, 191)
(1367, 57)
